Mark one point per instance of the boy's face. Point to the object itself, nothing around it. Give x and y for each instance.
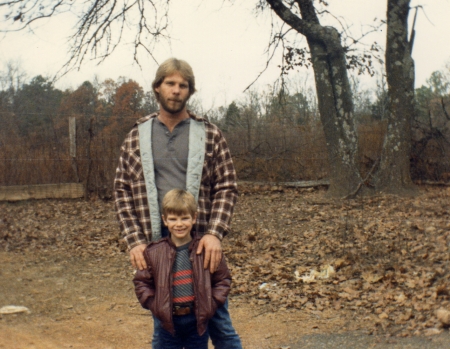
(180, 227)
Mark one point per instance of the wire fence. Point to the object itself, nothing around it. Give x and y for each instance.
(263, 151)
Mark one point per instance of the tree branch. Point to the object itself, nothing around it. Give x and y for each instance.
(101, 27)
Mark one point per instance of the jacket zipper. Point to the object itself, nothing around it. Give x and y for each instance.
(173, 252)
(195, 288)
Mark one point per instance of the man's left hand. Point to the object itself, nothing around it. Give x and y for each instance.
(213, 251)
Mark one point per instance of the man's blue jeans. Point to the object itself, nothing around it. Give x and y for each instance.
(220, 329)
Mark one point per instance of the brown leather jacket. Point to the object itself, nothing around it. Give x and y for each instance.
(153, 286)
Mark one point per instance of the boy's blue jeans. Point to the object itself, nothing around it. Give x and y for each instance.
(220, 329)
(186, 335)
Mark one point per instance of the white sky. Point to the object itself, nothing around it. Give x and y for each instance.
(225, 44)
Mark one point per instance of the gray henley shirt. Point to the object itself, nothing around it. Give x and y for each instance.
(170, 156)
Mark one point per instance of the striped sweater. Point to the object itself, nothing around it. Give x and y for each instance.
(183, 290)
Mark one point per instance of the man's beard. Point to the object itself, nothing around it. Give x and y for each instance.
(170, 107)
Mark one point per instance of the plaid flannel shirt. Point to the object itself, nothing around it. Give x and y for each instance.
(217, 196)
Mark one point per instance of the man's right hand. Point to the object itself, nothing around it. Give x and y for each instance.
(137, 257)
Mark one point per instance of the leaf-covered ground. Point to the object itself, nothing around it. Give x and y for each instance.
(377, 264)
(385, 258)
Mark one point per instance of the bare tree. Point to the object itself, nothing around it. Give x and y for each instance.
(333, 91)
(101, 25)
(394, 173)
(11, 80)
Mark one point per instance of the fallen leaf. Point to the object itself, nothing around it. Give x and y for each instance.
(14, 309)
(443, 316)
(432, 331)
(383, 316)
(372, 278)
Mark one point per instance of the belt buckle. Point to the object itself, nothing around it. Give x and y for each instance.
(179, 310)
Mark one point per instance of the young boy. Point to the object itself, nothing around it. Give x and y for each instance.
(175, 286)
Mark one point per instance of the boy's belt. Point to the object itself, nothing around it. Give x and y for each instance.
(183, 309)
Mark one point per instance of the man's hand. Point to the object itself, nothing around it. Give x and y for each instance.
(213, 251)
(137, 257)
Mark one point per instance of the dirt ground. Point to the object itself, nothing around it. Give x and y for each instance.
(89, 303)
(63, 260)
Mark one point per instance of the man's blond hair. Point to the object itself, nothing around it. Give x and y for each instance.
(179, 202)
(171, 66)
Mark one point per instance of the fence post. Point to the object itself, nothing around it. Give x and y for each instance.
(73, 145)
(89, 159)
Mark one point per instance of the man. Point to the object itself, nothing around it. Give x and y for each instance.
(175, 149)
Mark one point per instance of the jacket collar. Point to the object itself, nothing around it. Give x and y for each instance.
(154, 115)
(195, 239)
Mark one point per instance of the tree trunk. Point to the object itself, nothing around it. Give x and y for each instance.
(394, 173)
(336, 114)
(333, 92)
